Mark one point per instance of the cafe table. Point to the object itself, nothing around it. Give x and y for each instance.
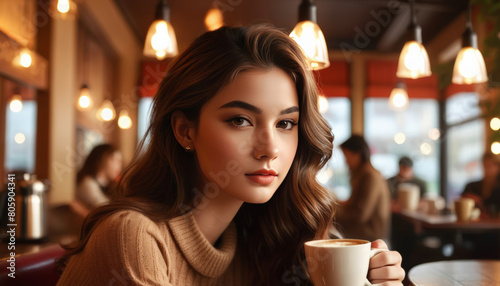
(456, 272)
(448, 221)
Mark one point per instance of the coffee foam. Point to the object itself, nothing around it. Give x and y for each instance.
(339, 243)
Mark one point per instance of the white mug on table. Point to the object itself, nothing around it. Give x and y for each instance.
(339, 262)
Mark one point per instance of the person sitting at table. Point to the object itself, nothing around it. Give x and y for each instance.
(225, 190)
(367, 212)
(486, 192)
(100, 169)
(405, 175)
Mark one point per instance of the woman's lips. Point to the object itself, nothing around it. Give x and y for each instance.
(263, 177)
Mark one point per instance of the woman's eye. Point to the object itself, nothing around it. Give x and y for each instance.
(240, 122)
(286, 124)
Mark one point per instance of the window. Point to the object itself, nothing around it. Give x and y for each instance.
(465, 142)
(335, 175)
(143, 116)
(20, 137)
(412, 132)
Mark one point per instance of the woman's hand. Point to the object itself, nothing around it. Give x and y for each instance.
(385, 267)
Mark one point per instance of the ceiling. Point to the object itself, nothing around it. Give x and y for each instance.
(375, 25)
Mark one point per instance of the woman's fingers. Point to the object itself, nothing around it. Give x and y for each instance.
(386, 258)
(387, 283)
(385, 267)
(379, 243)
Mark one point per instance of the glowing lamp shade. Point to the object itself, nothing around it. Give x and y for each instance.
(84, 100)
(323, 104)
(214, 19)
(310, 38)
(160, 41)
(63, 9)
(63, 6)
(495, 148)
(469, 67)
(398, 99)
(413, 61)
(16, 103)
(106, 112)
(124, 121)
(495, 124)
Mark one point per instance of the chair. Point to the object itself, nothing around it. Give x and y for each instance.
(33, 268)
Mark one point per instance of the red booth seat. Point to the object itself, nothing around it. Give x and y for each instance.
(32, 269)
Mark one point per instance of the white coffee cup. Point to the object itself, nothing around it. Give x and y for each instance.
(432, 205)
(408, 196)
(339, 262)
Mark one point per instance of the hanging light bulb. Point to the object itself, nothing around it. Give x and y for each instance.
(84, 100)
(214, 19)
(469, 65)
(161, 41)
(16, 103)
(322, 104)
(23, 58)
(63, 8)
(413, 60)
(124, 120)
(399, 97)
(310, 37)
(106, 112)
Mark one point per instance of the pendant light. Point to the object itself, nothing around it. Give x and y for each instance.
(310, 37)
(469, 65)
(84, 99)
(413, 60)
(214, 19)
(124, 120)
(16, 101)
(63, 8)
(107, 111)
(399, 97)
(160, 40)
(323, 104)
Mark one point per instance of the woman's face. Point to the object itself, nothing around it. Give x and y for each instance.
(113, 165)
(247, 135)
(352, 159)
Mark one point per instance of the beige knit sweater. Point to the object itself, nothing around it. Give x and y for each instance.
(130, 249)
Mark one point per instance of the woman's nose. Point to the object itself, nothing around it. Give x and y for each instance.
(265, 145)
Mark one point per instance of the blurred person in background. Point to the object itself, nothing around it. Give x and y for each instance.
(406, 175)
(367, 213)
(101, 168)
(486, 192)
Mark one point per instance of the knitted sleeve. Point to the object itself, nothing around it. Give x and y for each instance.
(125, 249)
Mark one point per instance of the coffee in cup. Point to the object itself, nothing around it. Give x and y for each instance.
(339, 262)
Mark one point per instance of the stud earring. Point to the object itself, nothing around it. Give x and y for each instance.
(187, 148)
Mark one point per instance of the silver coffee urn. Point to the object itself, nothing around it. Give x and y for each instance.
(31, 208)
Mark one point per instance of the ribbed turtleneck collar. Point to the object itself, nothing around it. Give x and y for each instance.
(200, 254)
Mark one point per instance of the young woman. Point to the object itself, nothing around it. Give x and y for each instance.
(225, 191)
(100, 169)
(367, 213)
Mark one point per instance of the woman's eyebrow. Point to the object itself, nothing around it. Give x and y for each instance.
(252, 108)
(241, 104)
(290, 110)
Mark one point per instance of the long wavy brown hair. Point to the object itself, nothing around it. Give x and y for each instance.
(159, 182)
